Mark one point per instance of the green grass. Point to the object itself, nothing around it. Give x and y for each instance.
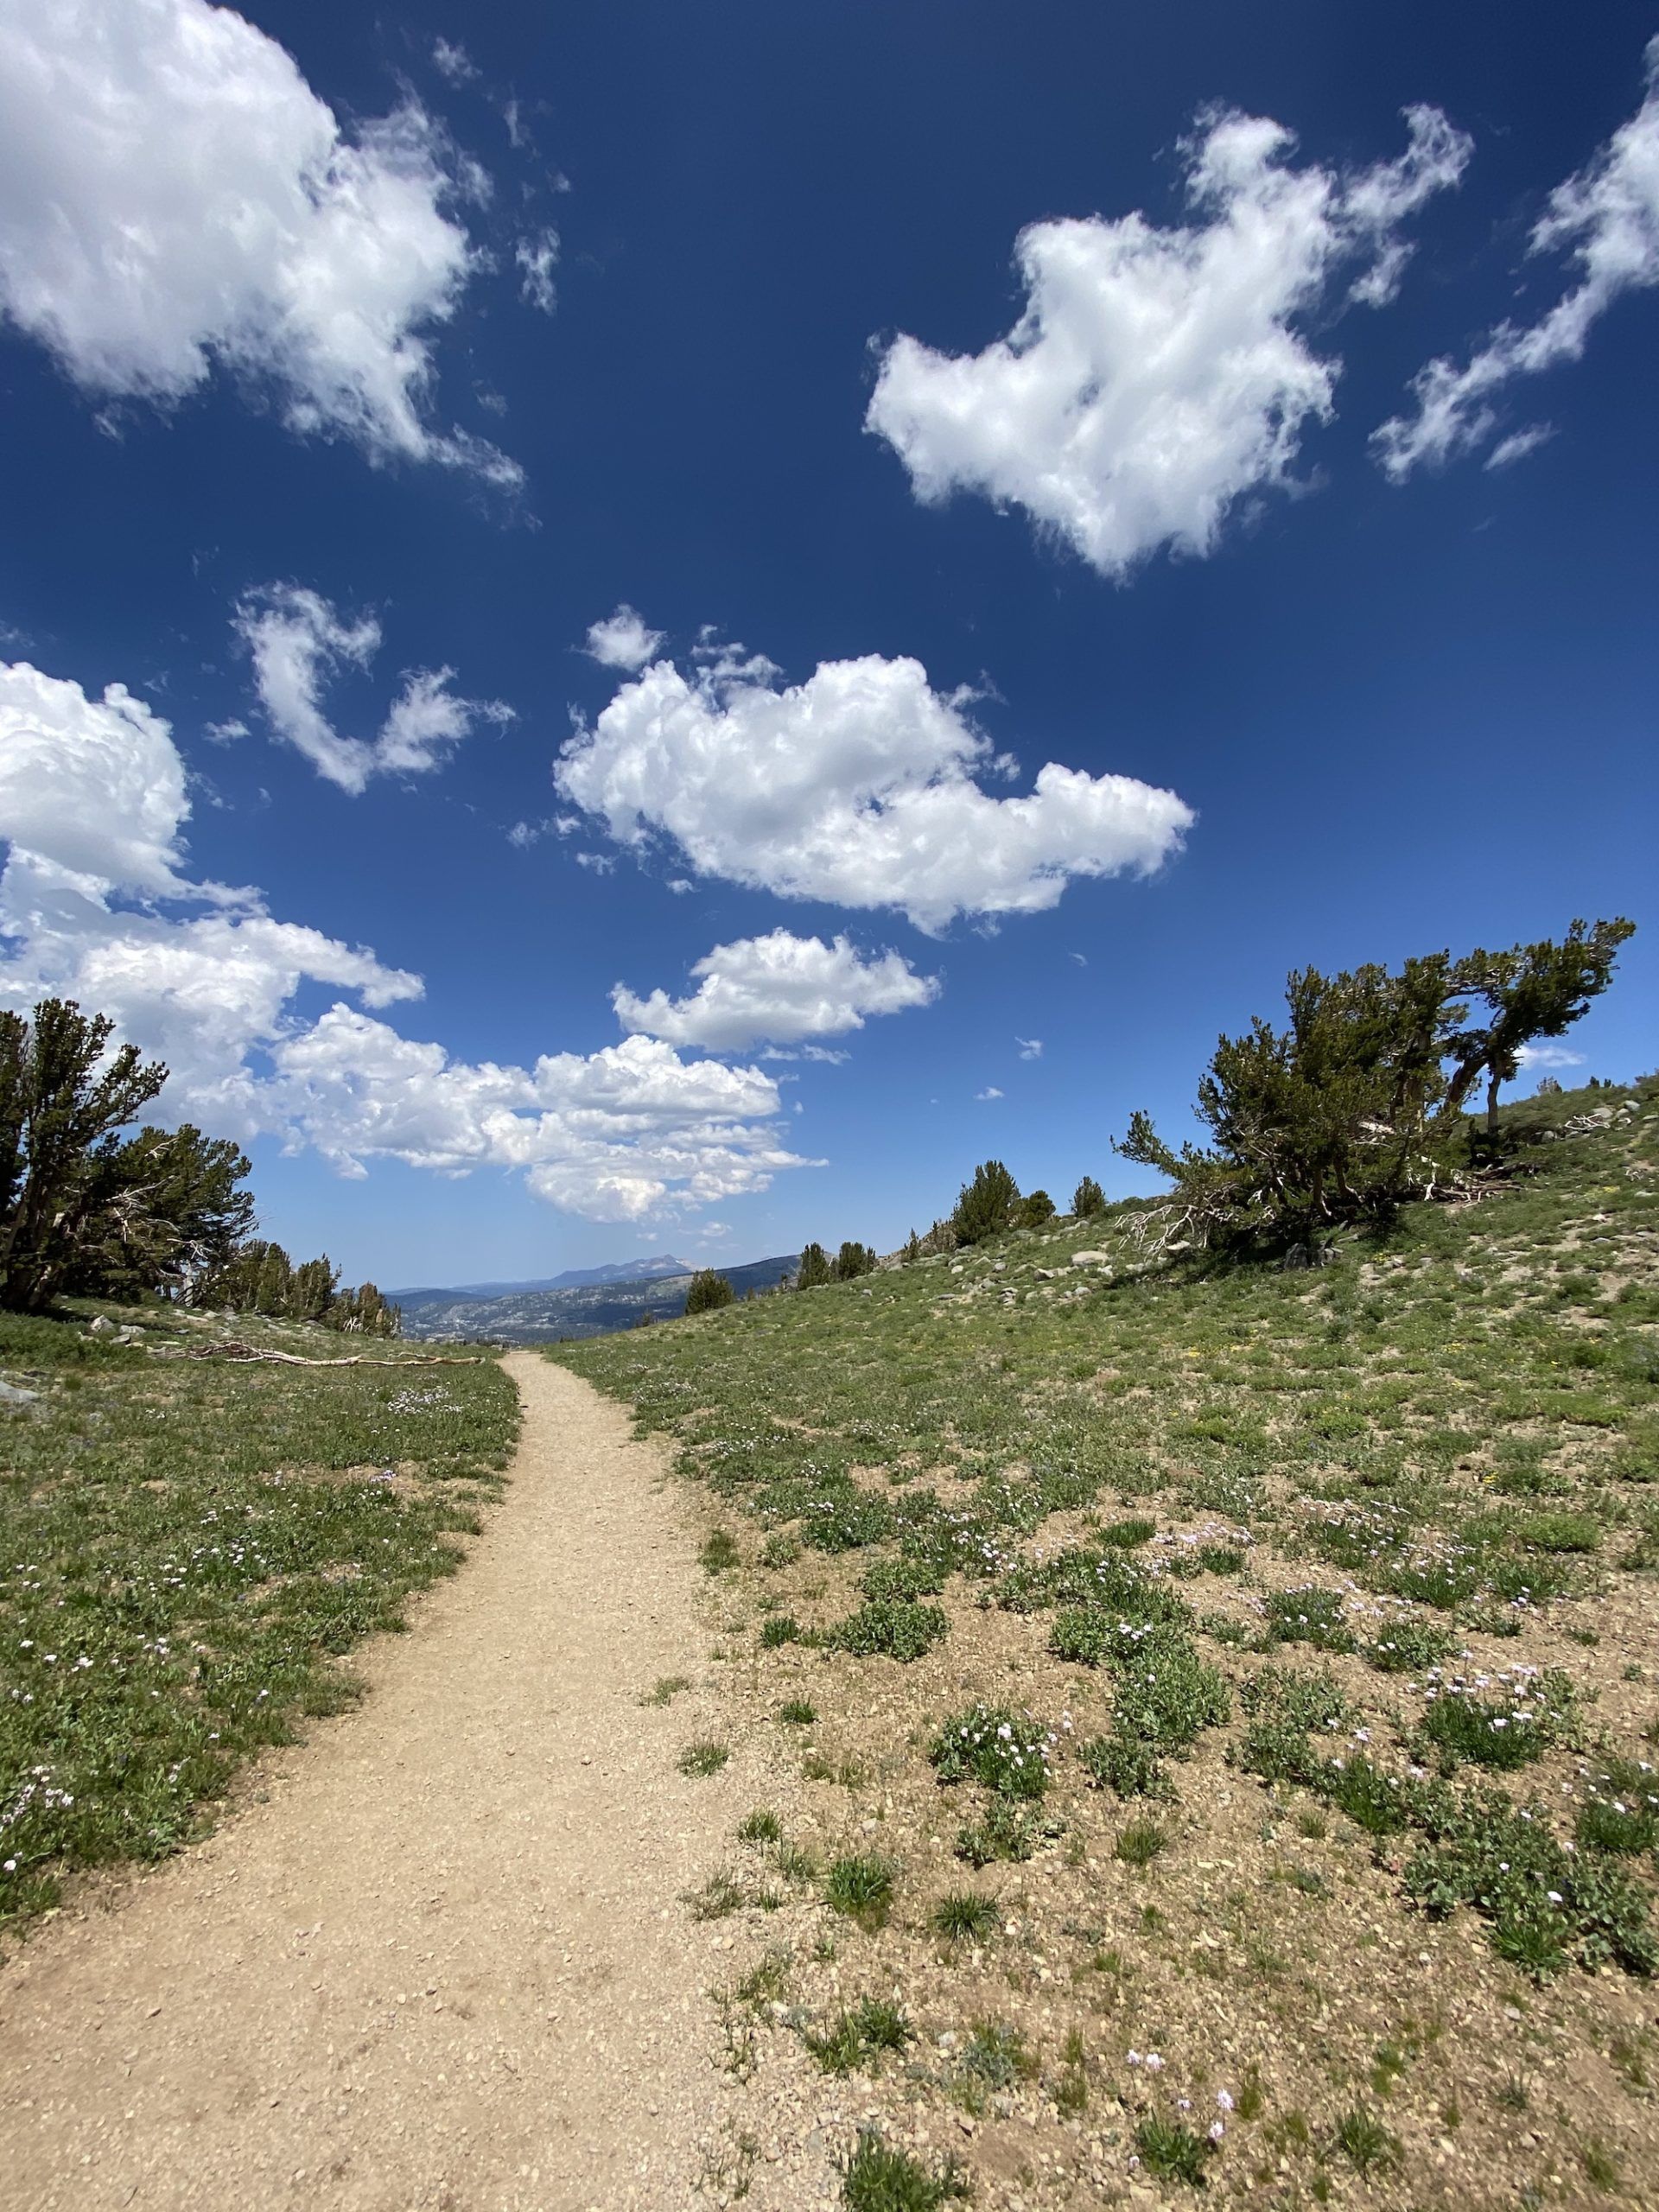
(186, 1548)
(964, 1917)
(876, 2176)
(1289, 1543)
(860, 1886)
(701, 1760)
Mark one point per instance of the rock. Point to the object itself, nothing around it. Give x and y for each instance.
(101, 1326)
(12, 1394)
(1089, 1259)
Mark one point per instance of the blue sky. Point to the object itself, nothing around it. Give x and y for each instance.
(340, 348)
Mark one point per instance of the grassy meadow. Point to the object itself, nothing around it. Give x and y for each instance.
(1215, 1707)
(186, 1547)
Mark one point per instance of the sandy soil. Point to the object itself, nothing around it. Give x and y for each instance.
(438, 1959)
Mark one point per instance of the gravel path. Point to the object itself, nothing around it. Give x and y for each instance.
(442, 1963)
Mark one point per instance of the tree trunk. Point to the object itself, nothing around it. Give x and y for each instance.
(1492, 1108)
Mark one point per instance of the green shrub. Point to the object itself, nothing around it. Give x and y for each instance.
(1409, 1648)
(1509, 1729)
(1132, 1770)
(1004, 1831)
(780, 1629)
(1307, 1615)
(1621, 1811)
(1008, 1751)
(893, 1628)
(1558, 1532)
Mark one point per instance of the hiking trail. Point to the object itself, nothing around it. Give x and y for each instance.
(438, 1957)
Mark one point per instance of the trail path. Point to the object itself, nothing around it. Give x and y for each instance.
(443, 1964)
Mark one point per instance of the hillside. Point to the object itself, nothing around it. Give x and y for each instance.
(592, 1309)
(1223, 1698)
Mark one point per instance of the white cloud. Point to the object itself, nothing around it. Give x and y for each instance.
(93, 801)
(777, 989)
(1548, 1056)
(1157, 375)
(94, 786)
(452, 60)
(1609, 215)
(622, 640)
(989, 1091)
(1031, 1048)
(298, 641)
(174, 198)
(538, 259)
(856, 787)
(1518, 444)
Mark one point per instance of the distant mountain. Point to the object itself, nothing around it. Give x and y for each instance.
(572, 1279)
(624, 1271)
(586, 1303)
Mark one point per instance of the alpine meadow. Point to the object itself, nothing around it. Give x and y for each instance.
(828, 1107)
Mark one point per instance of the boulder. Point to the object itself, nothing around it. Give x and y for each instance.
(1089, 1259)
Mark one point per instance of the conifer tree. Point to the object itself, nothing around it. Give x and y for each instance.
(985, 1205)
(708, 1290)
(813, 1270)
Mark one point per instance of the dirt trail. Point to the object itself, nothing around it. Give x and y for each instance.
(442, 1965)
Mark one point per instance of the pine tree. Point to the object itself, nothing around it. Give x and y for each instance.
(63, 1095)
(1088, 1199)
(708, 1290)
(985, 1205)
(813, 1270)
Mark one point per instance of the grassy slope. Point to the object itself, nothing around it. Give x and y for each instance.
(185, 1547)
(1269, 1848)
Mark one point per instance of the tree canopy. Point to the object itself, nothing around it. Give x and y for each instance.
(1350, 1109)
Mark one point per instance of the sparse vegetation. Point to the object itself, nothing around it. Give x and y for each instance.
(701, 1760)
(1250, 1556)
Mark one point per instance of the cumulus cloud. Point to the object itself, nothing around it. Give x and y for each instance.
(1608, 215)
(297, 642)
(1031, 1048)
(857, 787)
(538, 259)
(990, 1091)
(95, 786)
(622, 640)
(778, 988)
(1158, 376)
(174, 198)
(96, 905)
